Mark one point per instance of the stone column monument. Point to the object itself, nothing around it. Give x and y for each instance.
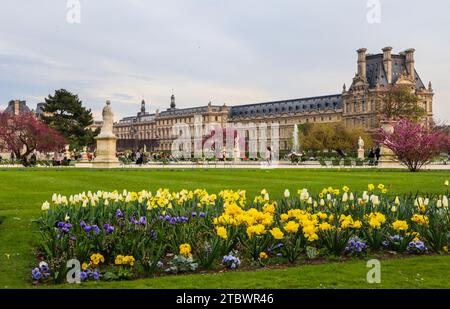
(387, 156)
(360, 148)
(106, 142)
(237, 150)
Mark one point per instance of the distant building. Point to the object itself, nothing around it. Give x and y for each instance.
(357, 106)
(17, 107)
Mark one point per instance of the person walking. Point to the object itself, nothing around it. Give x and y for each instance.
(269, 155)
(371, 157)
(377, 154)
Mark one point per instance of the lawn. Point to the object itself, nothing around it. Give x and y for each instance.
(22, 191)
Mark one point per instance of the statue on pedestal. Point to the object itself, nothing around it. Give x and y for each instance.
(360, 148)
(106, 141)
(237, 149)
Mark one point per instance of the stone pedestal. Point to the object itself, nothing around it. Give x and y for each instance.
(387, 156)
(361, 154)
(106, 152)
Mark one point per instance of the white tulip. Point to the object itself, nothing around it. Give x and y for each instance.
(67, 218)
(352, 197)
(45, 206)
(439, 204)
(394, 209)
(345, 197)
(287, 194)
(322, 202)
(446, 183)
(397, 201)
(426, 201)
(445, 201)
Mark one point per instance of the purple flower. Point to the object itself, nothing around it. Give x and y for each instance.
(194, 214)
(73, 238)
(184, 219)
(167, 218)
(43, 266)
(160, 264)
(119, 213)
(108, 228)
(83, 224)
(202, 214)
(280, 245)
(83, 275)
(173, 221)
(87, 228)
(142, 221)
(133, 221)
(36, 273)
(60, 224)
(96, 229)
(96, 275)
(279, 254)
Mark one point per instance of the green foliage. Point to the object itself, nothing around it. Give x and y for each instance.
(332, 136)
(65, 113)
(181, 264)
(400, 102)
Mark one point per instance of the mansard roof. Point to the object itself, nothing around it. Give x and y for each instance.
(375, 70)
(302, 105)
(189, 111)
(23, 108)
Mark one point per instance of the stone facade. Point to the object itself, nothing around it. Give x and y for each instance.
(358, 105)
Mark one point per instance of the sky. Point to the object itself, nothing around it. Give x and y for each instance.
(223, 51)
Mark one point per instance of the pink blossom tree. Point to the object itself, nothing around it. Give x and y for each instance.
(413, 144)
(23, 134)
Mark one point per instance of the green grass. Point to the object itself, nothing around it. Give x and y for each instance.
(22, 191)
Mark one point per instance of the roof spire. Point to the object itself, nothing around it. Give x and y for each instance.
(172, 101)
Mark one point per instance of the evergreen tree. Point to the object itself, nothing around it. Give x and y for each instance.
(65, 113)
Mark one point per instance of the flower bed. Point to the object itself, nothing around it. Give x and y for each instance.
(127, 235)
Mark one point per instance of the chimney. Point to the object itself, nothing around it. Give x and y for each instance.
(387, 63)
(410, 63)
(362, 63)
(16, 107)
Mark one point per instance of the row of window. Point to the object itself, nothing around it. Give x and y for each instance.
(287, 109)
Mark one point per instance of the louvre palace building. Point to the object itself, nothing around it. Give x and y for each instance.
(357, 105)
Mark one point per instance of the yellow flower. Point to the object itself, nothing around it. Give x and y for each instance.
(325, 226)
(277, 233)
(263, 256)
(420, 219)
(291, 227)
(400, 225)
(284, 217)
(381, 186)
(222, 232)
(185, 250)
(119, 260)
(357, 224)
(376, 219)
(257, 230)
(370, 187)
(446, 183)
(84, 266)
(96, 259)
(345, 189)
(129, 260)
